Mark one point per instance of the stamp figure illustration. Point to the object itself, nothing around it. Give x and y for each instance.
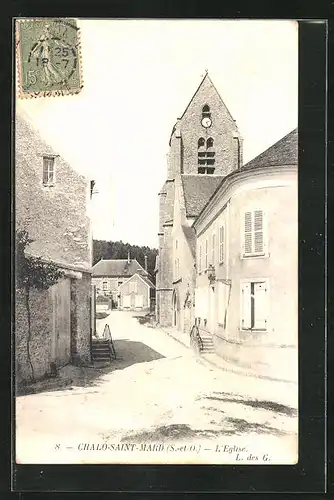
(48, 57)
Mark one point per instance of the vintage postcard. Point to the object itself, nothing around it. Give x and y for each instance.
(156, 257)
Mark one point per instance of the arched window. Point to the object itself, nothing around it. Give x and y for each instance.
(209, 143)
(201, 142)
(206, 110)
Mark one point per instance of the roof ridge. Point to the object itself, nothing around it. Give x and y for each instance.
(199, 86)
(108, 260)
(215, 88)
(200, 176)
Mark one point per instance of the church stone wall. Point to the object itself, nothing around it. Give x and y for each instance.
(222, 130)
(183, 159)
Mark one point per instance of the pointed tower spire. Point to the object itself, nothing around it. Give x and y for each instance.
(205, 140)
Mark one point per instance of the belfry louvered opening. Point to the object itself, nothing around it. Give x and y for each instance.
(206, 156)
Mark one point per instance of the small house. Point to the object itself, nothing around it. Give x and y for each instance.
(109, 274)
(137, 293)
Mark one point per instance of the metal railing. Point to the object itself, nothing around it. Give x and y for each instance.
(195, 338)
(107, 336)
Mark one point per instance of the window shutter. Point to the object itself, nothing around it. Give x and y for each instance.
(221, 244)
(246, 306)
(248, 247)
(139, 301)
(260, 299)
(45, 172)
(51, 170)
(126, 300)
(258, 231)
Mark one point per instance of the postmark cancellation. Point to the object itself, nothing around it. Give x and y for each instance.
(48, 56)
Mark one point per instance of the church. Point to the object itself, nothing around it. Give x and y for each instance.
(222, 268)
(205, 146)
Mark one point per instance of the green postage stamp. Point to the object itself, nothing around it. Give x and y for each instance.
(48, 57)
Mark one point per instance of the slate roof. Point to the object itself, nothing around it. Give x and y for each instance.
(197, 191)
(190, 235)
(143, 277)
(147, 280)
(283, 152)
(116, 267)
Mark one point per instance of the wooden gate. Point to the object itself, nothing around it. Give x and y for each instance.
(61, 322)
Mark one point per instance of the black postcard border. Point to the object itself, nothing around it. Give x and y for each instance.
(309, 474)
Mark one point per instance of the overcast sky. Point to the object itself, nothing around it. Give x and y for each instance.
(139, 76)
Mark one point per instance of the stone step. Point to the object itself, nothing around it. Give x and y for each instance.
(207, 344)
(101, 358)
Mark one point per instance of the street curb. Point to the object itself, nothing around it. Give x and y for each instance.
(203, 360)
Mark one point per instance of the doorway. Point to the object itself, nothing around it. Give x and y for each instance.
(212, 309)
(176, 309)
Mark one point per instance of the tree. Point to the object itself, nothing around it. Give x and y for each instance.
(119, 250)
(32, 272)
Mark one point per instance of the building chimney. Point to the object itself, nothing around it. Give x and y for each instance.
(145, 263)
(129, 258)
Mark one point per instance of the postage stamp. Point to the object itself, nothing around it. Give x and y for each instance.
(48, 57)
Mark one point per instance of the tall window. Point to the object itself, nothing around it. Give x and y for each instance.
(206, 111)
(206, 156)
(201, 143)
(105, 286)
(254, 233)
(213, 250)
(48, 170)
(221, 243)
(176, 268)
(254, 306)
(209, 143)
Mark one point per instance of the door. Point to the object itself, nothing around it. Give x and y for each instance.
(176, 310)
(212, 309)
(61, 322)
(126, 301)
(138, 301)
